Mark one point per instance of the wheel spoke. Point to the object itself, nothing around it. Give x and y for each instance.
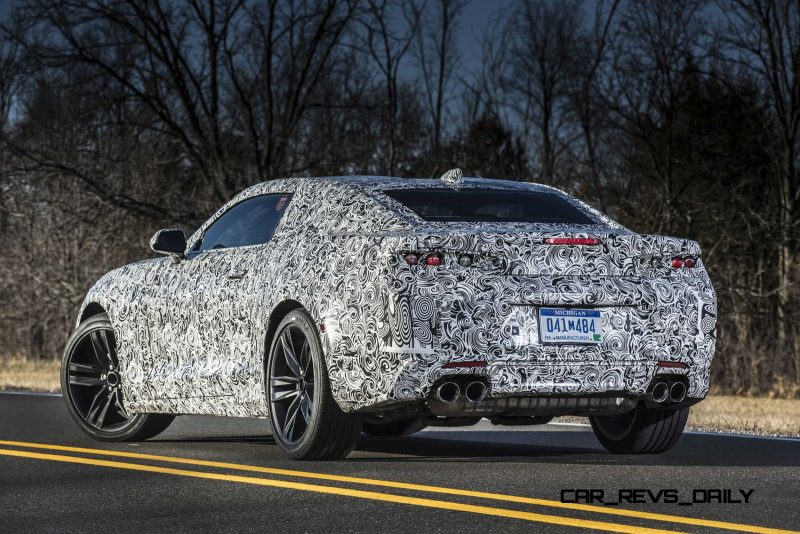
(94, 408)
(85, 368)
(288, 352)
(100, 346)
(284, 381)
(305, 408)
(291, 418)
(86, 381)
(102, 417)
(118, 404)
(305, 362)
(280, 396)
(111, 346)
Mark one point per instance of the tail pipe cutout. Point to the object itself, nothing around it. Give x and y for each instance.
(448, 392)
(454, 394)
(666, 390)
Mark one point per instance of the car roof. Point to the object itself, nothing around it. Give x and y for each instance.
(391, 182)
(378, 183)
(374, 186)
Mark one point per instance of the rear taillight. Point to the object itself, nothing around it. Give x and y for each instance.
(684, 261)
(665, 364)
(433, 260)
(411, 258)
(573, 241)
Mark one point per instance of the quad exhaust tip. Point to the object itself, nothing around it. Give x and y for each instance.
(448, 392)
(667, 392)
(660, 392)
(475, 391)
(677, 392)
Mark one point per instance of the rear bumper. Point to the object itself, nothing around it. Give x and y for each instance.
(407, 378)
(572, 379)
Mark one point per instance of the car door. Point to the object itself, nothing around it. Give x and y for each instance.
(216, 311)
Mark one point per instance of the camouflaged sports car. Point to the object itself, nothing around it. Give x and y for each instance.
(339, 305)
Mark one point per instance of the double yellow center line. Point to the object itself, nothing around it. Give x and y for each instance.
(371, 495)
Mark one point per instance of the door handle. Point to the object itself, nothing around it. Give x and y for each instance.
(236, 275)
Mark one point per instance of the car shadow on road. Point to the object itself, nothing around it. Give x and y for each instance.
(478, 446)
(269, 440)
(573, 448)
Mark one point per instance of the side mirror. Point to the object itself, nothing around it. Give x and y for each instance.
(171, 241)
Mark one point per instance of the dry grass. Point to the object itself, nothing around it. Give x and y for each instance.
(30, 375)
(748, 415)
(718, 413)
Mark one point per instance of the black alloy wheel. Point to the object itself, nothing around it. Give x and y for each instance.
(91, 383)
(292, 384)
(307, 424)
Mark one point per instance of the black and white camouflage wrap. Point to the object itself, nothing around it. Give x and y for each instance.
(192, 340)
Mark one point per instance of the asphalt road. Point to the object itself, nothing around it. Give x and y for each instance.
(225, 474)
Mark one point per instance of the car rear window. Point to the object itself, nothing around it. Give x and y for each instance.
(490, 205)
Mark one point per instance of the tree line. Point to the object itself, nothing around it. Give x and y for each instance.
(119, 117)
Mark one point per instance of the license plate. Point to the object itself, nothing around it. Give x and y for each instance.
(570, 325)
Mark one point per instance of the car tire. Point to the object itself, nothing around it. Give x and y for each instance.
(641, 431)
(398, 427)
(307, 423)
(91, 387)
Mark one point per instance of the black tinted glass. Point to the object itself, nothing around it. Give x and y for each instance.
(250, 222)
(490, 205)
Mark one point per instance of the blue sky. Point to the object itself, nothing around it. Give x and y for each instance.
(477, 14)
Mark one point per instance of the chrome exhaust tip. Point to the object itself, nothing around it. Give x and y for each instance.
(475, 391)
(677, 392)
(448, 392)
(660, 392)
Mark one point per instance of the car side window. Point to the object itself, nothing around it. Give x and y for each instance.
(250, 222)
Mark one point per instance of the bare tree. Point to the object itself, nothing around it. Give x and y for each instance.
(658, 45)
(9, 78)
(762, 38)
(9, 85)
(388, 29)
(540, 57)
(437, 57)
(287, 55)
(592, 61)
(186, 72)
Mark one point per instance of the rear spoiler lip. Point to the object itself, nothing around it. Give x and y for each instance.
(658, 245)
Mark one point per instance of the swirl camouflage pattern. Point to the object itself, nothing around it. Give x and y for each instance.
(193, 331)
